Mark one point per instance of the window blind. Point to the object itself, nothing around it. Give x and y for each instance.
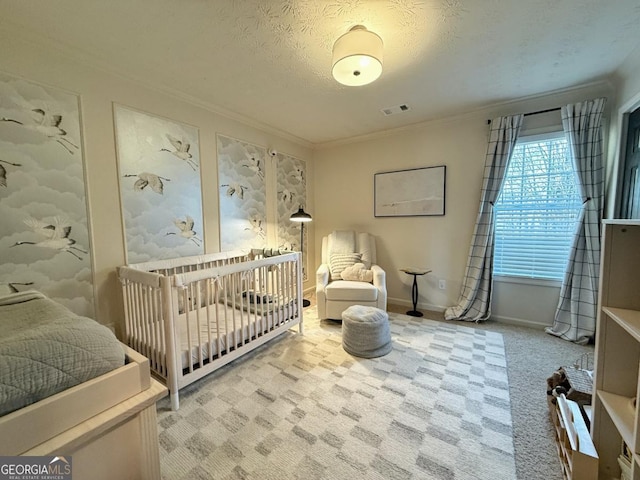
(536, 212)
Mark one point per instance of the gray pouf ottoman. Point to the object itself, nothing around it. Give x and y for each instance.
(365, 331)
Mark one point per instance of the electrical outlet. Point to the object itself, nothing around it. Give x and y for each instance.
(442, 284)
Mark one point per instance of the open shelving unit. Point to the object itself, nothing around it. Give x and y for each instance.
(616, 416)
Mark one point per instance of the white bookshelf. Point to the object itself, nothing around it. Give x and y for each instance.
(617, 360)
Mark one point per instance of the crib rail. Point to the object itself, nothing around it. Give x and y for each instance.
(192, 263)
(190, 319)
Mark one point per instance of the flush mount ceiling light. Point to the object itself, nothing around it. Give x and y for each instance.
(357, 57)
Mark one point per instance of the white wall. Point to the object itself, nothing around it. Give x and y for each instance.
(344, 200)
(98, 91)
(629, 78)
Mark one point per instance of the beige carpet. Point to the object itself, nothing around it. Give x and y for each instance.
(532, 356)
(436, 407)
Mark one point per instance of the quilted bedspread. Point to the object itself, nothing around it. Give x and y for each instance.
(45, 348)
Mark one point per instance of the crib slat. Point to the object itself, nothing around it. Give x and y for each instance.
(207, 299)
(136, 316)
(124, 283)
(225, 297)
(290, 293)
(153, 323)
(198, 305)
(218, 319)
(187, 320)
(144, 316)
(255, 309)
(233, 313)
(257, 287)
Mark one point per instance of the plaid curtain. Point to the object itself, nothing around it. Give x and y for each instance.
(474, 303)
(575, 317)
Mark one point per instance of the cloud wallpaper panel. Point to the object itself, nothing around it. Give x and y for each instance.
(241, 183)
(160, 188)
(292, 186)
(44, 237)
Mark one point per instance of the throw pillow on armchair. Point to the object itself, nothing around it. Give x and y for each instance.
(357, 272)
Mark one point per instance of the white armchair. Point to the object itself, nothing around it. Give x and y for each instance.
(340, 251)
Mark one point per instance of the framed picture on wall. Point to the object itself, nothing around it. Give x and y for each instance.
(410, 193)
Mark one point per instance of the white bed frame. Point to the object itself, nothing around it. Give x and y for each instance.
(189, 317)
(107, 425)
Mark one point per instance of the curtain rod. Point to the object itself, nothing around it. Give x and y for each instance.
(536, 113)
(542, 111)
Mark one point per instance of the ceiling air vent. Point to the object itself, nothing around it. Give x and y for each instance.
(397, 109)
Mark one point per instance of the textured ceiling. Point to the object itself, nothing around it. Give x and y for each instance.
(270, 61)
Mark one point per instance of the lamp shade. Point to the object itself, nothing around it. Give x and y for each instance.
(357, 57)
(300, 216)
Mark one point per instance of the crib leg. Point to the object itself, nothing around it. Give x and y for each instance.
(175, 402)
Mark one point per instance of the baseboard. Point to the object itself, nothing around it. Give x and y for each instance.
(522, 322)
(421, 306)
(496, 318)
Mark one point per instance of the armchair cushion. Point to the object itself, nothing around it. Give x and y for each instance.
(357, 272)
(340, 261)
(356, 292)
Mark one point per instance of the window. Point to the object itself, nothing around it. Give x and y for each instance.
(537, 210)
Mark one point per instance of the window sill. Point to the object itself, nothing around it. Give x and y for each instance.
(540, 282)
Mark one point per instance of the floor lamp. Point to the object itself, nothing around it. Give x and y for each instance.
(302, 217)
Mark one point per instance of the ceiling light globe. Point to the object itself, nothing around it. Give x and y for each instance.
(357, 57)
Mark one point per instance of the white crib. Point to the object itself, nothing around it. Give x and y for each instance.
(192, 315)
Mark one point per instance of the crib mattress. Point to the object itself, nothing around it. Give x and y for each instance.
(250, 321)
(45, 349)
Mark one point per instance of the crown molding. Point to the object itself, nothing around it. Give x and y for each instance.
(483, 113)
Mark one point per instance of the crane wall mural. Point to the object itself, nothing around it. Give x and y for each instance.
(160, 188)
(243, 197)
(44, 227)
(292, 186)
(44, 237)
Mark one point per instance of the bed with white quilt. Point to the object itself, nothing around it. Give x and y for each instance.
(68, 387)
(45, 349)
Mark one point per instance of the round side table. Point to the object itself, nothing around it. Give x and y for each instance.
(414, 289)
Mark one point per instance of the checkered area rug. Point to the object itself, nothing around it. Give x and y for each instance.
(436, 407)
